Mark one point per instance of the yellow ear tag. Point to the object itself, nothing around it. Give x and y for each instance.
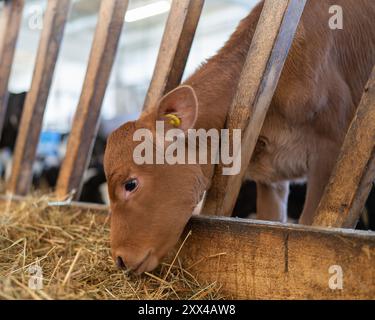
(173, 120)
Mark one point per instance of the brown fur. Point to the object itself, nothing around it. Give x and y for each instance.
(315, 100)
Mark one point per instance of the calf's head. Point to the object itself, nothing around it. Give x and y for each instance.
(151, 203)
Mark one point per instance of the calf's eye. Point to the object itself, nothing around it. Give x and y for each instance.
(131, 185)
(262, 143)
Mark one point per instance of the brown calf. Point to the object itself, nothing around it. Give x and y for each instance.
(316, 98)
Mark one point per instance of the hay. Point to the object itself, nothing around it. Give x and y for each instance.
(73, 252)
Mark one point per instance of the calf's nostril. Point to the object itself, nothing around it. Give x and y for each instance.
(120, 263)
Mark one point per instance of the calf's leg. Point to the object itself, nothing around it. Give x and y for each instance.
(320, 169)
(272, 201)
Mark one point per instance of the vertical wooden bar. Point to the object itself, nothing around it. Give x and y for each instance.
(86, 120)
(174, 50)
(31, 122)
(10, 22)
(351, 181)
(269, 49)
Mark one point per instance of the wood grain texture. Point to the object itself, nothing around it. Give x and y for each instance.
(174, 50)
(354, 173)
(265, 260)
(265, 61)
(86, 120)
(31, 122)
(255, 260)
(10, 21)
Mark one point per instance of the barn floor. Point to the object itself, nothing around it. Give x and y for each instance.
(72, 250)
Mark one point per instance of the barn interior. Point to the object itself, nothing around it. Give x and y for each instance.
(70, 240)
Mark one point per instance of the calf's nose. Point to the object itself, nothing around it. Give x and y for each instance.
(120, 263)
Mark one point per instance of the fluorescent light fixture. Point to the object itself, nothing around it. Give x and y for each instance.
(147, 11)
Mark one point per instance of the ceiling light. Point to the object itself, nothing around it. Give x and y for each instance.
(147, 11)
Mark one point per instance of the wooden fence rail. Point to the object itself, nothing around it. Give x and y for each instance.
(86, 121)
(174, 50)
(354, 174)
(36, 99)
(10, 21)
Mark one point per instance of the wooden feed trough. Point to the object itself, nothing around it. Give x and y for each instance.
(259, 260)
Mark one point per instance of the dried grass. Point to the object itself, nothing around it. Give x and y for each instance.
(73, 251)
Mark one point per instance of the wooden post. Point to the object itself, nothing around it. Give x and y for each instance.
(10, 21)
(264, 64)
(174, 50)
(86, 120)
(354, 174)
(260, 260)
(32, 117)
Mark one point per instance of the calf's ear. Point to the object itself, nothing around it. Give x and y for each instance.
(179, 109)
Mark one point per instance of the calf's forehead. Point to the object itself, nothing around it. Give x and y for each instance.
(120, 146)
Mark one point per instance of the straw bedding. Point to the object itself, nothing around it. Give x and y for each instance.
(72, 250)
